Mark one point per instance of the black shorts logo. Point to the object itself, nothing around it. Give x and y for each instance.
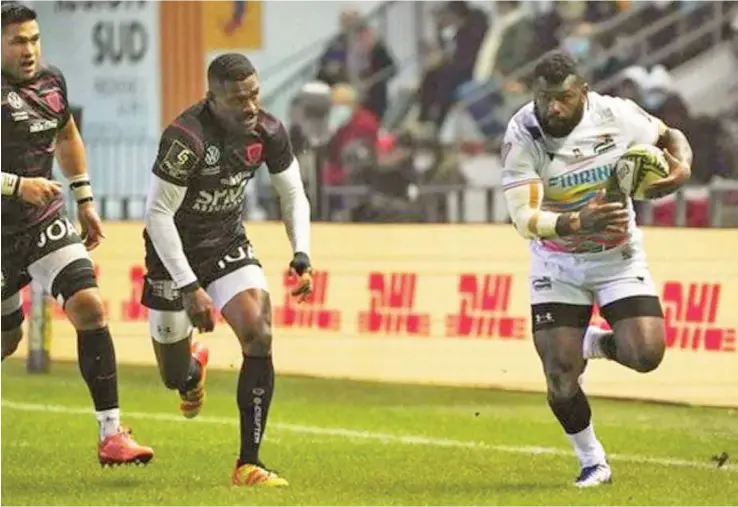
(542, 283)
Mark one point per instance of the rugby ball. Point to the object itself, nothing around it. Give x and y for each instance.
(638, 168)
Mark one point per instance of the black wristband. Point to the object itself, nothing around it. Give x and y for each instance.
(16, 187)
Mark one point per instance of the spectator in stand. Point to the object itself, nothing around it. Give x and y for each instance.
(635, 80)
(375, 69)
(356, 56)
(353, 124)
(546, 27)
(508, 44)
(464, 28)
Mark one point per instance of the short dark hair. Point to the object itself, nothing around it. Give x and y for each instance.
(230, 67)
(15, 12)
(459, 8)
(555, 67)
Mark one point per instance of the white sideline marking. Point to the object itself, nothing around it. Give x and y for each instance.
(385, 438)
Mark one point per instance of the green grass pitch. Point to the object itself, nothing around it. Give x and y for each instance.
(354, 443)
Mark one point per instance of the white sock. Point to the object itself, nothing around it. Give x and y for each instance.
(109, 422)
(591, 347)
(588, 449)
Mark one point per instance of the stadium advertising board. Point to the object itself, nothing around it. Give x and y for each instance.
(109, 54)
(445, 304)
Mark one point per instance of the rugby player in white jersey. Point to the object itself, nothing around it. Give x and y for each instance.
(558, 154)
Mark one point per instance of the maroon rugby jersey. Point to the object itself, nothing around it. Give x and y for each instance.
(34, 112)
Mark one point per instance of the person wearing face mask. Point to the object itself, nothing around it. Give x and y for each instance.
(350, 122)
(578, 43)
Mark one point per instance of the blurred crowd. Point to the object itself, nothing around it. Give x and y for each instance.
(480, 61)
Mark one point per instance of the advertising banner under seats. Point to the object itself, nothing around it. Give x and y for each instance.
(445, 304)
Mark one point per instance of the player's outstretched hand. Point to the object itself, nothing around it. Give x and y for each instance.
(89, 220)
(601, 215)
(300, 268)
(39, 191)
(679, 173)
(199, 308)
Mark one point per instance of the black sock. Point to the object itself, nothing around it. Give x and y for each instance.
(573, 413)
(254, 395)
(193, 376)
(96, 357)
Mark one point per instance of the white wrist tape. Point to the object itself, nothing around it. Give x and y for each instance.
(11, 184)
(81, 188)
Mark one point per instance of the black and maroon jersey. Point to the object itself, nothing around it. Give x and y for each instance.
(215, 166)
(34, 111)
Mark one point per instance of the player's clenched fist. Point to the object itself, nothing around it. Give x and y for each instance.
(39, 191)
(199, 308)
(300, 267)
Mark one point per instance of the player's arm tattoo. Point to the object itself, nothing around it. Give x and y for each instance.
(676, 142)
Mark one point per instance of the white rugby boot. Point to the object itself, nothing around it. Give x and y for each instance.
(593, 476)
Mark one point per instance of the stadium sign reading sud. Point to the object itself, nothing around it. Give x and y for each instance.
(446, 305)
(109, 54)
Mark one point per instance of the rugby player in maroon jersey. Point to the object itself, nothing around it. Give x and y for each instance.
(38, 240)
(199, 258)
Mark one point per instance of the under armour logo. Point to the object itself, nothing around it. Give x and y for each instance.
(544, 318)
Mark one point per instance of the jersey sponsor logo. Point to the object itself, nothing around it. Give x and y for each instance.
(178, 161)
(242, 253)
(15, 101)
(392, 301)
(253, 153)
(212, 155)
(589, 176)
(220, 200)
(57, 230)
(42, 126)
(19, 115)
(604, 144)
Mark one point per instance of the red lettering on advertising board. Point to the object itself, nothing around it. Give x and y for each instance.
(391, 306)
(132, 309)
(311, 313)
(690, 311)
(483, 309)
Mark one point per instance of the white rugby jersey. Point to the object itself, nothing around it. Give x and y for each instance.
(574, 168)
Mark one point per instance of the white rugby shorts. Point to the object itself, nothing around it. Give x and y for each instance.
(589, 278)
(170, 327)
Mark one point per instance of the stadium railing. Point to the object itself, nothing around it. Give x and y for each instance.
(121, 169)
(722, 204)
